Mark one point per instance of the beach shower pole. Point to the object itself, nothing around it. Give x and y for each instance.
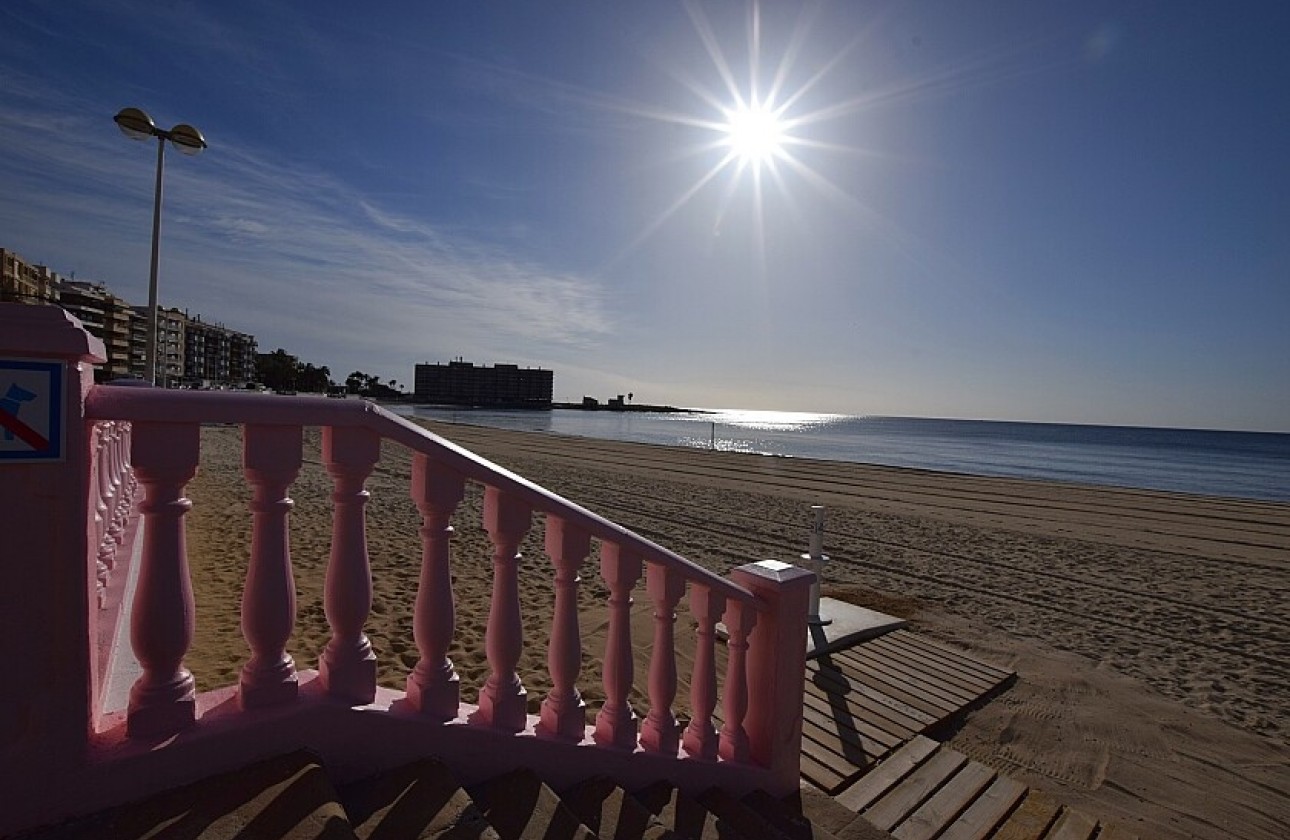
(814, 559)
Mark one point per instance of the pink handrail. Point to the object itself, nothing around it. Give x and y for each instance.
(141, 404)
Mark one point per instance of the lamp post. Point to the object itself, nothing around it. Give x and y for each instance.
(137, 125)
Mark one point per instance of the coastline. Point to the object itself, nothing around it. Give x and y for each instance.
(1233, 464)
(1147, 627)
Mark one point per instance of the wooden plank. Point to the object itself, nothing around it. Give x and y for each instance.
(847, 765)
(1115, 832)
(961, 672)
(853, 734)
(894, 688)
(952, 674)
(952, 696)
(990, 808)
(958, 658)
(914, 789)
(881, 710)
(946, 804)
(1033, 817)
(901, 714)
(887, 774)
(962, 691)
(1072, 825)
(913, 645)
(821, 775)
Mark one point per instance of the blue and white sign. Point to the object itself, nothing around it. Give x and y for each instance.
(31, 410)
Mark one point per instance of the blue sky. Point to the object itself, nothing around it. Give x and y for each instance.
(1073, 212)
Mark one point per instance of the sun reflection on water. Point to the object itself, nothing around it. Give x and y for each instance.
(767, 421)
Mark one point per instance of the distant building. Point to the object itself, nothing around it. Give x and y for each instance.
(24, 282)
(215, 355)
(111, 319)
(501, 386)
(189, 351)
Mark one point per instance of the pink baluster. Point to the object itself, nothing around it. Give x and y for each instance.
(433, 686)
(118, 512)
(104, 555)
(563, 711)
(616, 721)
(131, 482)
(348, 665)
(162, 700)
(271, 460)
(106, 490)
(126, 496)
(659, 731)
(503, 700)
(739, 619)
(701, 736)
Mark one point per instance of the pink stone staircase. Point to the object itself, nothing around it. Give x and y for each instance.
(131, 450)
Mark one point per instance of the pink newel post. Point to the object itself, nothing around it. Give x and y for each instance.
(777, 668)
(616, 721)
(48, 560)
(348, 665)
(503, 702)
(659, 731)
(163, 700)
(271, 460)
(433, 685)
(563, 711)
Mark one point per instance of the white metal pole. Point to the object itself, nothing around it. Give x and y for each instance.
(815, 559)
(151, 360)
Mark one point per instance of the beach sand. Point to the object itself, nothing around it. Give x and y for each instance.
(1150, 631)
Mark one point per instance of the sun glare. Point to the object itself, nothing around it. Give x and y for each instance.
(754, 133)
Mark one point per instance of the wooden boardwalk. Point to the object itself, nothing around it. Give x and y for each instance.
(863, 703)
(925, 790)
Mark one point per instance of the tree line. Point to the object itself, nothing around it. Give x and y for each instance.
(281, 371)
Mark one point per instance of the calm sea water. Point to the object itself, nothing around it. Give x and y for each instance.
(1251, 465)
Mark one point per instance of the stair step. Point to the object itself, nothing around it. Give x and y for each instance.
(418, 801)
(287, 797)
(684, 815)
(811, 814)
(612, 813)
(519, 806)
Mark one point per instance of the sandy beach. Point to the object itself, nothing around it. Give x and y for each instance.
(1150, 631)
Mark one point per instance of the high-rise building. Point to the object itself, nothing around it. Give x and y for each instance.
(501, 386)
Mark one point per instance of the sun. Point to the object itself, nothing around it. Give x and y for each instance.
(754, 133)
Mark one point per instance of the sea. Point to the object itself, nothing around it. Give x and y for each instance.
(1244, 465)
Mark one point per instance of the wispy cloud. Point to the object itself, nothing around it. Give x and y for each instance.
(277, 248)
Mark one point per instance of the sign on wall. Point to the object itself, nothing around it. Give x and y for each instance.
(31, 410)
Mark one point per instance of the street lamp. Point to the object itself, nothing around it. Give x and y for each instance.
(137, 125)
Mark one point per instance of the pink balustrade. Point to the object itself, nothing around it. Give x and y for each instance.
(73, 756)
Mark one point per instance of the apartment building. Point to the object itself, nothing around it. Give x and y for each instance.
(501, 386)
(216, 355)
(111, 319)
(171, 329)
(24, 282)
(190, 351)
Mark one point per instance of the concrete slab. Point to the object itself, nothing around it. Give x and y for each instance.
(847, 625)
